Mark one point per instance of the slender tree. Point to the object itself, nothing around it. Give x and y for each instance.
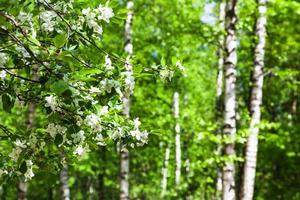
(23, 186)
(64, 187)
(124, 184)
(177, 138)
(255, 102)
(164, 181)
(220, 84)
(229, 129)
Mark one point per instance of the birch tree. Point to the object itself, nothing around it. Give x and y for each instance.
(220, 79)
(177, 138)
(164, 181)
(255, 103)
(230, 100)
(64, 178)
(124, 184)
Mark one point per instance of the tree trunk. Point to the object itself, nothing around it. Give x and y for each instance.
(256, 100)
(220, 80)
(22, 186)
(229, 128)
(64, 178)
(177, 139)
(22, 190)
(164, 182)
(124, 158)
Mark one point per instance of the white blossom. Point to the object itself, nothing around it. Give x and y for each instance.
(136, 123)
(86, 11)
(53, 129)
(180, 66)
(94, 90)
(90, 18)
(51, 102)
(2, 172)
(117, 133)
(105, 13)
(2, 74)
(100, 140)
(108, 63)
(20, 143)
(49, 20)
(24, 17)
(79, 150)
(166, 74)
(129, 81)
(92, 120)
(29, 173)
(14, 155)
(104, 110)
(78, 137)
(79, 120)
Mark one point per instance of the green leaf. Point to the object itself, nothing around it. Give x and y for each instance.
(7, 102)
(23, 167)
(60, 40)
(58, 139)
(163, 61)
(59, 87)
(138, 69)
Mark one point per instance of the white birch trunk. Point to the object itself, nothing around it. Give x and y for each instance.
(164, 181)
(124, 160)
(230, 99)
(220, 52)
(220, 81)
(177, 139)
(247, 189)
(64, 179)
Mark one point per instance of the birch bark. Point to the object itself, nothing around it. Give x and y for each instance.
(124, 160)
(220, 83)
(177, 138)
(164, 181)
(247, 189)
(229, 129)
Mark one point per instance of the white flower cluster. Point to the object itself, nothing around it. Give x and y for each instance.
(166, 74)
(117, 133)
(129, 82)
(100, 140)
(105, 13)
(94, 90)
(51, 101)
(78, 137)
(80, 150)
(49, 20)
(14, 155)
(24, 17)
(140, 136)
(93, 121)
(3, 60)
(91, 16)
(108, 63)
(180, 66)
(53, 129)
(29, 173)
